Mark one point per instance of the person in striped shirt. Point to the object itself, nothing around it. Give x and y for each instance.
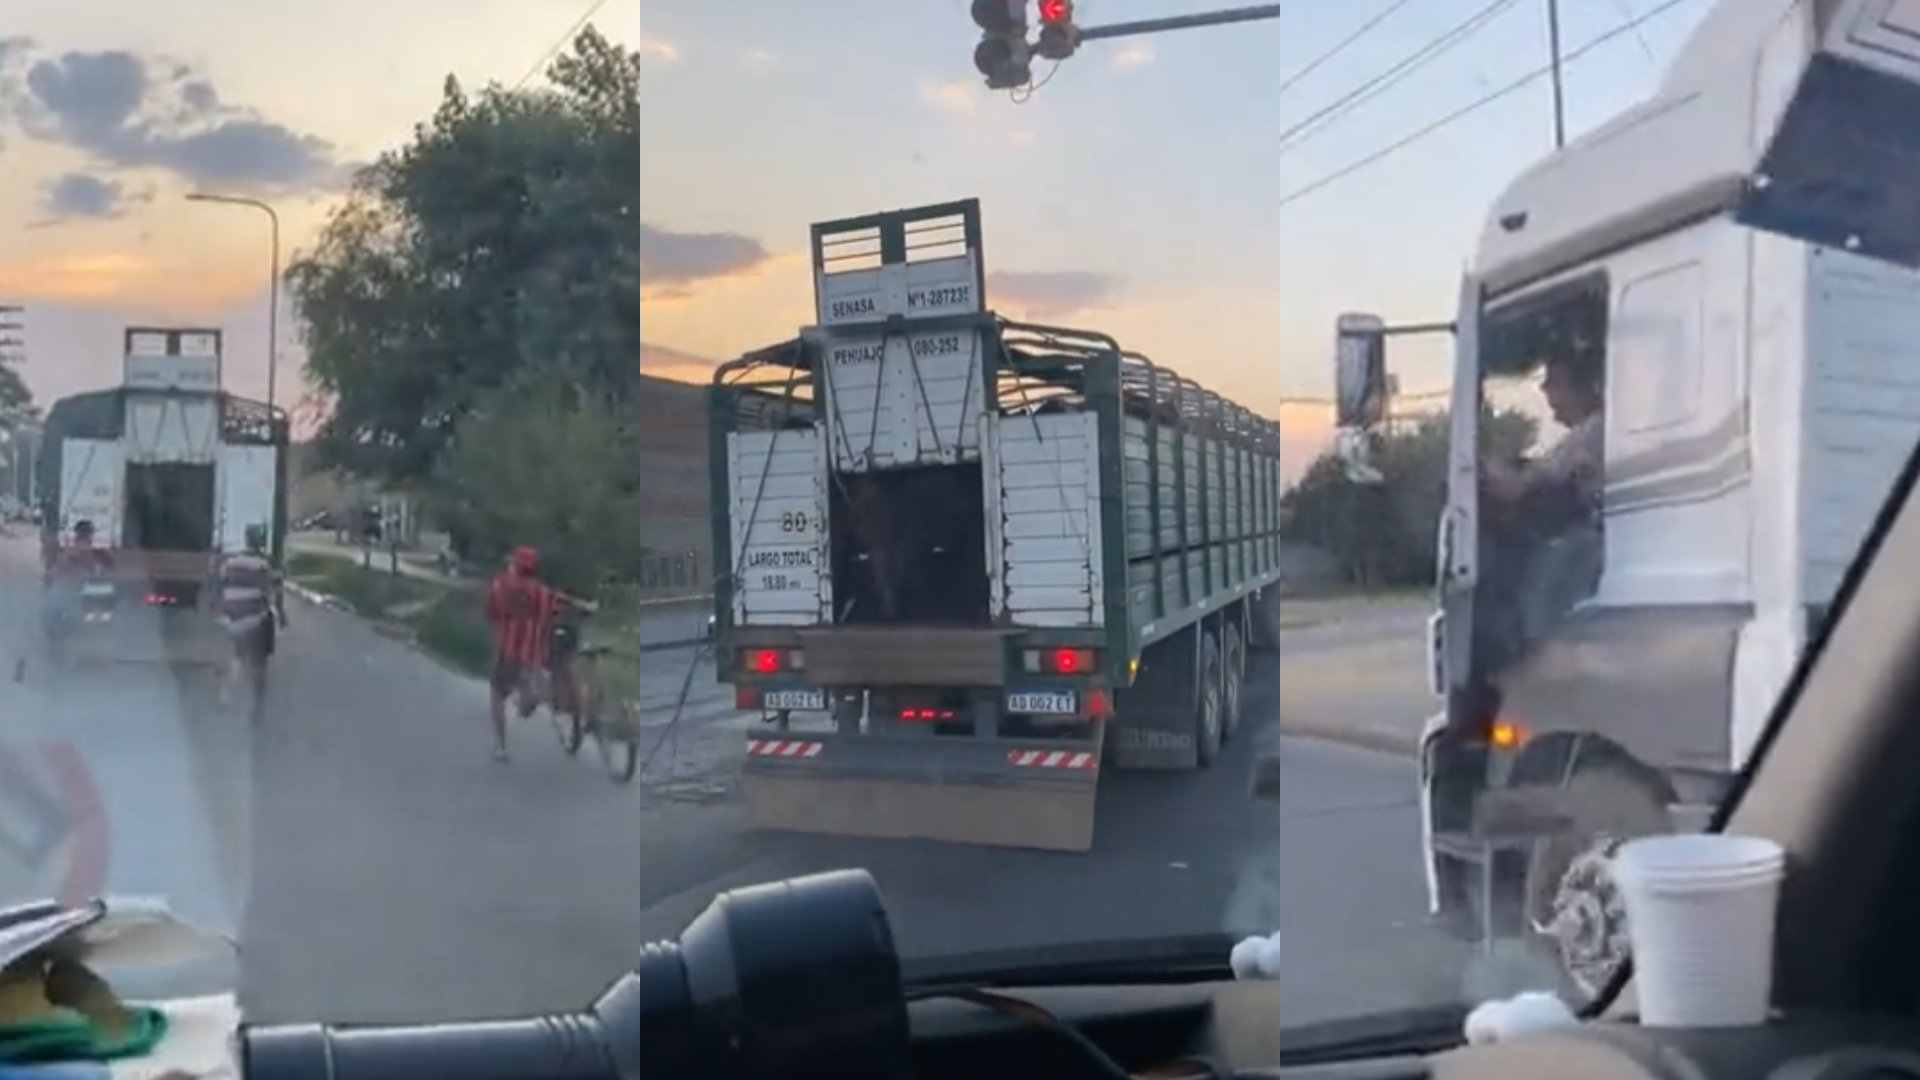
(524, 612)
(252, 607)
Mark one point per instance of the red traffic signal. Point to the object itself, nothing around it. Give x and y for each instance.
(1056, 11)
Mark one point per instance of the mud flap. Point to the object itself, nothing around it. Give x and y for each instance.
(1020, 793)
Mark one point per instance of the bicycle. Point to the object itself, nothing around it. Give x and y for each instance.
(257, 647)
(592, 711)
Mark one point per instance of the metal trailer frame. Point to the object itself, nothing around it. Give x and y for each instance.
(1189, 508)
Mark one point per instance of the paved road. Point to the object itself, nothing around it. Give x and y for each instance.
(1334, 868)
(397, 873)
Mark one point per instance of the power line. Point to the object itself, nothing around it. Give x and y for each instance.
(1340, 46)
(561, 43)
(1476, 105)
(1426, 54)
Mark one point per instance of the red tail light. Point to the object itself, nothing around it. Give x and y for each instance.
(1063, 660)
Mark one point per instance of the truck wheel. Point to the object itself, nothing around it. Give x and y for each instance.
(1234, 652)
(1209, 704)
(1571, 902)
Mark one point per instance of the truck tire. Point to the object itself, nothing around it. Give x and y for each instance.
(1234, 654)
(1570, 904)
(1208, 727)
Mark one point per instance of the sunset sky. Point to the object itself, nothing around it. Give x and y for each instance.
(1139, 192)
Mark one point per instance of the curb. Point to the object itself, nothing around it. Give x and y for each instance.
(664, 646)
(319, 599)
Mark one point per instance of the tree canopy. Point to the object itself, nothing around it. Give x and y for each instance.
(1383, 534)
(490, 263)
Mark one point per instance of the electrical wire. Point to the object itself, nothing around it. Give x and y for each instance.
(1459, 34)
(1476, 105)
(560, 43)
(1340, 46)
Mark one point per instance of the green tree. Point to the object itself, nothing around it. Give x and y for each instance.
(523, 467)
(1384, 533)
(501, 242)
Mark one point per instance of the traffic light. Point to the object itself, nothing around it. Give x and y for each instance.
(1002, 55)
(1058, 36)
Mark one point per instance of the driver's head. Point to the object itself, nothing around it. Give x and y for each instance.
(1572, 390)
(256, 538)
(83, 532)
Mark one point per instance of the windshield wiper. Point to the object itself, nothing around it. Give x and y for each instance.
(1156, 961)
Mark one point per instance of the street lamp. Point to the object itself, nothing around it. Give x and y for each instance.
(273, 288)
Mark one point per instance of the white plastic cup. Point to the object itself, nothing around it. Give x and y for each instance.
(1700, 914)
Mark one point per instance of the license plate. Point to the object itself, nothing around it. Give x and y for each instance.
(96, 591)
(1043, 702)
(794, 700)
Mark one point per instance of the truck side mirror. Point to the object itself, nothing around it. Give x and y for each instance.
(1362, 391)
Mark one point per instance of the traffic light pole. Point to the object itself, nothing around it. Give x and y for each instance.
(1180, 22)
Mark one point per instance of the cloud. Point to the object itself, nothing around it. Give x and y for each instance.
(671, 262)
(955, 96)
(761, 58)
(1132, 56)
(123, 110)
(1049, 293)
(78, 195)
(653, 48)
(664, 363)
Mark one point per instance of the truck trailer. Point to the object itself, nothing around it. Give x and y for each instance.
(973, 561)
(171, 471)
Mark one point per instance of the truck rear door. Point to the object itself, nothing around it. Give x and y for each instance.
(778, 517)
(91, 473)
(1048, 519)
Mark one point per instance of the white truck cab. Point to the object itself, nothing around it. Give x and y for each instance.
(1721, 281)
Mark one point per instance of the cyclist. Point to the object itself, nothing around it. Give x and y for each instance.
(524, 612)
(66, 570)
(252, 607)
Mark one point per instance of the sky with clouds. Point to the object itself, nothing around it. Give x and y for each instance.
(1153, 188)
(111, 112)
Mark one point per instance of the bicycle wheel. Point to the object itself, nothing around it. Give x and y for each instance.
(256, 688)
(571, 730)
(567, 723)
(618, 741)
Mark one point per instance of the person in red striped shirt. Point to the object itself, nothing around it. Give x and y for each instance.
(523, 611)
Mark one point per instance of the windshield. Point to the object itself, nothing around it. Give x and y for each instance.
(964, 518)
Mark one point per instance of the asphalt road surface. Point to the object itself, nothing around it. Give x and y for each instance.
(382, 868)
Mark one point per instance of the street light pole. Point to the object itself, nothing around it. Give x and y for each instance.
(1181, 22)
(273, 287)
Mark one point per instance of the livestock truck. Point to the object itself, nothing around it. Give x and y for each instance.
(972, 562)
(171, 470)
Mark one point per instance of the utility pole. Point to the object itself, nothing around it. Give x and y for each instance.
(1559, 86)
(9, 321)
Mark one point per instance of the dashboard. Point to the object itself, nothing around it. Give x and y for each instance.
(1156, 1031)
(799, 979)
